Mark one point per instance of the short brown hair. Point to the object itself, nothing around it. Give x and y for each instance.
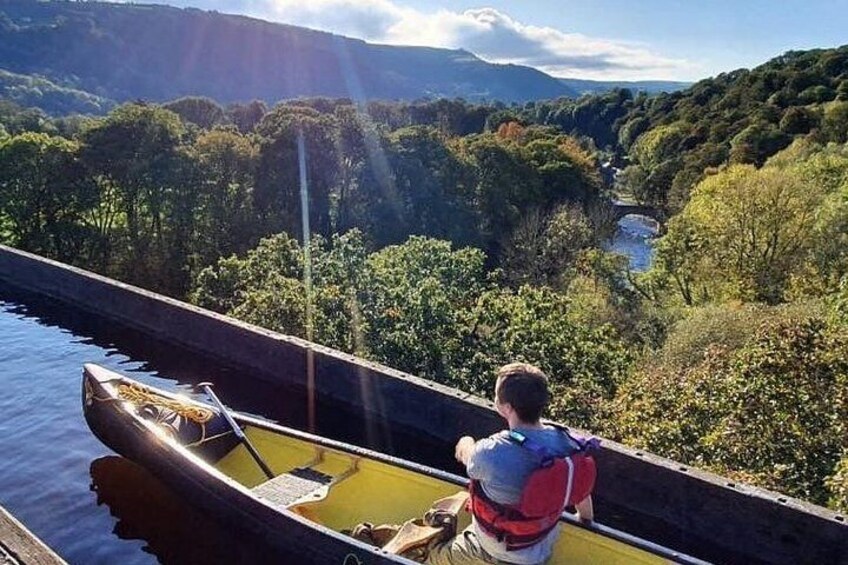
(525, 388)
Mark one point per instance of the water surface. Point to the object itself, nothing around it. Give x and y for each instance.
(634, 239)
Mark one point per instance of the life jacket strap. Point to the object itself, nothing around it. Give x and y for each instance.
(545, 455)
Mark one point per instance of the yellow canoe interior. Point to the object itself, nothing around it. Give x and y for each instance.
(365, 490)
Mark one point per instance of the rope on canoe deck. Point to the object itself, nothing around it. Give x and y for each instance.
(141, 396)
(137, 394)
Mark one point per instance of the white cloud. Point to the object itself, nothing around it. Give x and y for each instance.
(367, 19)
(486, 32)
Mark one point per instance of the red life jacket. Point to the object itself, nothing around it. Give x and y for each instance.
(556, 483)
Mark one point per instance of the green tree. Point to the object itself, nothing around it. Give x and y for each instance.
(277, 192)
(752, 393)
(677, 259)
(222, 287)
(15, 119)
(534, 325)
(198, 110)
(366, 197)
(827, 260)
(797, 120)
(246, 116)
(504, 186)
(788, 410)
(44, 194)
(835, 122)
(837, 484)
(416, 300)
(660, 144)
(226, 165)
(432, 188)
(365, 182)
(543, 248)
(669, 410)
(136, 152)
(756, 143)
(816, 94)
(566, 171)
(655, 162)
(631, 131)
(752, 229)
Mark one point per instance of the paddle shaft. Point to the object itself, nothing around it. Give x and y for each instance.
(239, 433)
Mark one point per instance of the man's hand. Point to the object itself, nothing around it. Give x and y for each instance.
(585, 510)
(464, 449)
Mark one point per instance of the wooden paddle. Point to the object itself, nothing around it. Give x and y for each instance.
(207, 388)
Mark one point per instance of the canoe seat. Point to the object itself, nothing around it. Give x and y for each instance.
(298, 485)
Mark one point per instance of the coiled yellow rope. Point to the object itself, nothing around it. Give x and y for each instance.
(137, 394)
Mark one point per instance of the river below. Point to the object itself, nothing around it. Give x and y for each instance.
(634, 239)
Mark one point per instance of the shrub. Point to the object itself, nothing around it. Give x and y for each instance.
(773, 412)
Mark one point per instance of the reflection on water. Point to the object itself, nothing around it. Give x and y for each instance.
(634, 239)
(172, 529)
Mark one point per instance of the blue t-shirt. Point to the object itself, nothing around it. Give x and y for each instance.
(503, 467)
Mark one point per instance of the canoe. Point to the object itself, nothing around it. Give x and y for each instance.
(319, 489)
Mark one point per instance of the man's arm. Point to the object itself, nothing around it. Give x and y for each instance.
(464, 449)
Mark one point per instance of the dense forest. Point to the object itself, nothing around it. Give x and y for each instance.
(671, 141)
(447, 238)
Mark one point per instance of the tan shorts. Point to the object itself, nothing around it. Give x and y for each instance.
(463, 549)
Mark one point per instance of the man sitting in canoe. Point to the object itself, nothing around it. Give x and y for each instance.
(521, 479)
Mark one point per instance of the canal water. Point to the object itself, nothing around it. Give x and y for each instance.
(85, 502)
(89, 505)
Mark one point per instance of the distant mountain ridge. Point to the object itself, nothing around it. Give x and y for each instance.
(129, 51)
(583, 86)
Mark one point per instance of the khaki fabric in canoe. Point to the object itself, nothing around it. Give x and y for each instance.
(414, 538)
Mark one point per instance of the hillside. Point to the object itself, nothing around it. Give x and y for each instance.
(600, 86)
(742, 117)
(456, 235)
(33, 91)
(670, 140)
(125, 52)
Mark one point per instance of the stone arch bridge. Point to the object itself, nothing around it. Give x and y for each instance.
(621, 209)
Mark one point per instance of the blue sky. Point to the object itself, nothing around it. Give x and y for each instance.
(603, 39)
